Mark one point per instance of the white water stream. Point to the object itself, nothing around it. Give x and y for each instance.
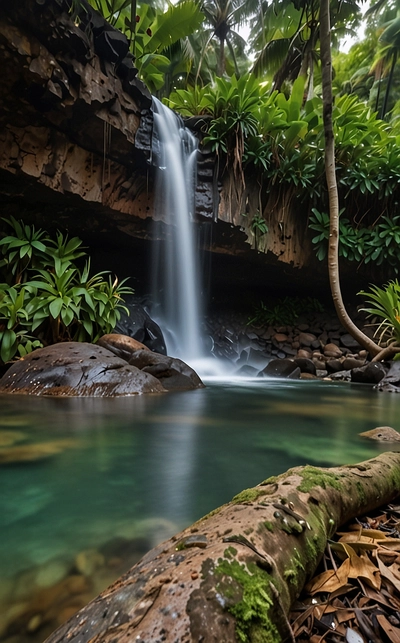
(176, 280)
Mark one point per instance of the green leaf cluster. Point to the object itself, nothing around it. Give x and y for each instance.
(378, 244)
(384, 304)
(46, 297)
(277, 140)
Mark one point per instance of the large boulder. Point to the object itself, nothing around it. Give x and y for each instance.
(170, 371)
(77, 369)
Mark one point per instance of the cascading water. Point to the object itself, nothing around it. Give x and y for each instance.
(176, 281)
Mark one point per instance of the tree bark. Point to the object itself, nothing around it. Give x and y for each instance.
(234, 574)
(330, 172)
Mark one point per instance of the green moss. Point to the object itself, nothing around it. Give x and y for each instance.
(247, 495)
(271, 480)
(361, 492)
(296, 567)
(314, 477)
(268, 525)
(230, 553)
(291, 527)
(253, 606)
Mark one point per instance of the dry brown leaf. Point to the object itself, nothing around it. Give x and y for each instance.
(391, 543)
(344, 615)
(330, 580)
(375, 534)
(377, 596)
(386, 573)
(393, 633)
(362, 567)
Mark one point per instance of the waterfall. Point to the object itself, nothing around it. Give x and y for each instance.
(176, 281)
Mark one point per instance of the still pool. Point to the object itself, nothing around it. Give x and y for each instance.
(140, 468)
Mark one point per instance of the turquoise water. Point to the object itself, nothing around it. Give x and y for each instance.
(147, 466)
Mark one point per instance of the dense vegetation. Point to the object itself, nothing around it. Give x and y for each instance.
(262, 107)
(46, 296)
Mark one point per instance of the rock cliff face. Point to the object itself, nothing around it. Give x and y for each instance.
(70, 121)
(75, 149)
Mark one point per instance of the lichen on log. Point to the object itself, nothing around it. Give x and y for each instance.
(233, 575)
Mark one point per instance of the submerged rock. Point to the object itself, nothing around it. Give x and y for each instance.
(382, 434)
(76, 369)
(36, 451)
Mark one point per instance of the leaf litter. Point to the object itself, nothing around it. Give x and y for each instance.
(354, 596)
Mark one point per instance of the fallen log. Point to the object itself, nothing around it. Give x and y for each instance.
(233, 575)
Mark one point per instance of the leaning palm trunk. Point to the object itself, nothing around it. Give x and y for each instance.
(333, 251)
(233, 575)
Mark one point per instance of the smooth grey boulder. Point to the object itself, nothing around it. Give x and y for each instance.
(282, 368)
(76, 369)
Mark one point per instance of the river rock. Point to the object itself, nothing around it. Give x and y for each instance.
(306, 339)
(51, 573)
(352, 362)
(87, 561)
(349, 342)
(77, 369)
(371, 373)
(282, 368)
(172, 372)
(334, 365)
(306, 365)
(34, 451)
(122, 346)
(331, 350)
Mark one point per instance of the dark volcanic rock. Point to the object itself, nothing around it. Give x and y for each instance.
(305, 365)
(282, 368)
(371, 373)
(76, 369)
(140, 326)
(391, 381)
(170, 371)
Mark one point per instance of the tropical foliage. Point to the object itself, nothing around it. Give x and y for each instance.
(384, 305)
(265, 128)
(45, 297)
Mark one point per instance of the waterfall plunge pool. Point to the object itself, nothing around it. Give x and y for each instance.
(137, 469)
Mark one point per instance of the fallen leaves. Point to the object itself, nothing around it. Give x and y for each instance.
(355, 595)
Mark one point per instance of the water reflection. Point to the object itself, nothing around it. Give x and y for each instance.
(131, 471)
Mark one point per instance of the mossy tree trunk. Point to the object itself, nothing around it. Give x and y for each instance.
(234, 574)
(330, 173)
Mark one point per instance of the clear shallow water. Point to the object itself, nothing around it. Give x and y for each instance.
(149, 465)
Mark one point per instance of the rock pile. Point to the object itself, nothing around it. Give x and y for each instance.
(314, 349)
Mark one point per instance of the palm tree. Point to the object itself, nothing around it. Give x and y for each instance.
(330, 173)
(223, 16)
(287, 38)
